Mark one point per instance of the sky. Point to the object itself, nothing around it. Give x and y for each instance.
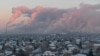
(7, 5)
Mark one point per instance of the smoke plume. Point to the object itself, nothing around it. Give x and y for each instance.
(53, 20)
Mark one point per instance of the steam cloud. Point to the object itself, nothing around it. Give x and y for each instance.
(53, 20)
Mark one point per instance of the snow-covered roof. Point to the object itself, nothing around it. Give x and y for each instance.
(8, 52)
(96, 45)
(69, 45)
(48, 53)
(38, 55)
(66, 51)
(37, 50)
(67, 42)
(78, 41)
(79, 55)
(1, 46)
(71, 48)
(52, 44)
(13, 55)
(29, 46)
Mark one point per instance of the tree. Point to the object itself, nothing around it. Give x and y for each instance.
(67, 54)
(21, 53)
(90, 53)
(75, 51)
(80, 44)
(97, 51)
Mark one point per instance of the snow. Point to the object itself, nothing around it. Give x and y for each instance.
(52, 46)
(96, 44)
(38, 50)
(79, 55)
(8, 52)
(38, 55)
(70, 45)
(67, 42)
(1, 46)
(78, 41)
(48, 53)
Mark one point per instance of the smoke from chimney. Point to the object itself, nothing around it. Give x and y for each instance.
(53, 20)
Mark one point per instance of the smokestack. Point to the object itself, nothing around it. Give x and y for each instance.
(6, 28)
